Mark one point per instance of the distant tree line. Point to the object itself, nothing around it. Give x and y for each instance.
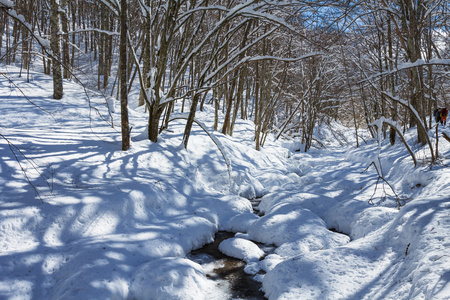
(288, 66)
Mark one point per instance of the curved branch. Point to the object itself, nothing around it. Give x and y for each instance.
(213, 138)
(399, 132)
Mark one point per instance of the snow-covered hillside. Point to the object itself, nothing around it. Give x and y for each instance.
(80, 219)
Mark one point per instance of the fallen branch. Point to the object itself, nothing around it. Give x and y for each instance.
(380, 176)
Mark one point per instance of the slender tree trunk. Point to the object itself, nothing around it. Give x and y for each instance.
(146, 49)
(257, 104)
(190, 120)
(216, 108)
(74, 19)
(56, 49)
(392, 131)
(123, 76)
(412, 12)
(239, 96)
(227, 121)
(65, 30)
(355, 123)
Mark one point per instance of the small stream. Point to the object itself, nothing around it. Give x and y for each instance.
(231, 282)
(228, 272)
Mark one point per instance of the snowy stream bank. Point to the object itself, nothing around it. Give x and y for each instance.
(232, 261)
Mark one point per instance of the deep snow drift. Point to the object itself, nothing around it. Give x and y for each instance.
(80, 219)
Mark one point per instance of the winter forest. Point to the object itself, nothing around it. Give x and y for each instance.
(299, 139)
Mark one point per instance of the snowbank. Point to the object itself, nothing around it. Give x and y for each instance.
(295, 230)
(169, 278)
(393, 254)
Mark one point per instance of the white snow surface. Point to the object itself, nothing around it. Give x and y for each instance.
(81, 219)
(241, 248)
(169, 278)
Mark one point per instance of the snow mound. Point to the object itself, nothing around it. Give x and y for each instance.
(249, 187)
(242, 222)
(241, 249)
(219, 210)
(330, 274)
(297, 228)
(418, 178)
(364, 268)
(358, 218)
(315, 203)
(270, 261)
(169, 278)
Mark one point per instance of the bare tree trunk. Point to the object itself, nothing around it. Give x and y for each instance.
(392, 130)
(257, 104)
(239, 96)
(146, 51)
(56, 49)
(123, 76)
(74, 18)
(216, 108)
(229, 100)
(411, 14)
(65, 30)
(351, 97)
(190, 120)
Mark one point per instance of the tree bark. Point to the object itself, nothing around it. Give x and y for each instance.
(55, 46)
(412, 13)
(123, 76)
(65, 30)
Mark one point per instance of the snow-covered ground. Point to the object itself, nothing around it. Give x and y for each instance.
(80, 219)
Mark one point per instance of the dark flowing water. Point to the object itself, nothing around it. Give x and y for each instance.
(229, 269)
(241, 284)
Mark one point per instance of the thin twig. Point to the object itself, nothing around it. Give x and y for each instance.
(23, 94)
(11, 147)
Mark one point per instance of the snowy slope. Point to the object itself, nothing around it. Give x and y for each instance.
(99, 223)
(393, 254)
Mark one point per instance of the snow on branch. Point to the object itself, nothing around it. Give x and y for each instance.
(249, 9)
(410, 65)
(107, 32)
(416, 116)
(284, 59)
(113, 5)
(7, 6)
(408, 106)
